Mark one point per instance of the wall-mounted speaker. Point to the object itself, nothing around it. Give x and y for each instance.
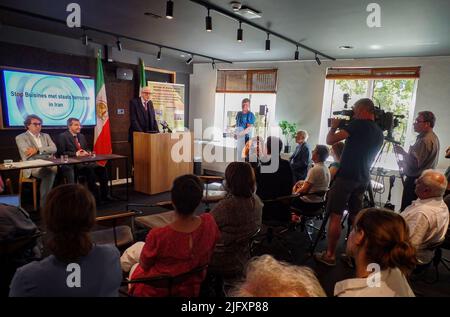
(124, 73)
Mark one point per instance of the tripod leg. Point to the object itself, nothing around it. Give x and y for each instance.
(370, 192)
(320, 233)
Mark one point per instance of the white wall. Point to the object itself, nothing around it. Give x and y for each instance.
(301, 89)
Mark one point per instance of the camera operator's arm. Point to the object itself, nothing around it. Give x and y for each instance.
(333, 136)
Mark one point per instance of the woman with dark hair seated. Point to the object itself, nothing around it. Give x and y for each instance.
(179, 247)
(76, 266)
(238, 216)
(379, 243)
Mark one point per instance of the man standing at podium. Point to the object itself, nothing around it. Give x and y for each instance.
(142, 114)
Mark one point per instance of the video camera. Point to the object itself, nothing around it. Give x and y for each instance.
(387, 121)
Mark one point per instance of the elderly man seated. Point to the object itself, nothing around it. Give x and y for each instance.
(316, 183)
(428, 216)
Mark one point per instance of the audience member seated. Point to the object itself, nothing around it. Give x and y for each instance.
(274, 179)
(16, 232)
(301, 158)
(183, 245)
(76, 267)
(428, 216)
(317, 181)
(2, 185)
(336, 153)
(74, 144)
(379, 240)
(34, 145)
(267, 277)
(238, 216)
(253, 150)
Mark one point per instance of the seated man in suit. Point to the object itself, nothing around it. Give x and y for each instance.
(270, 185)
(33, 145)
(74, 144)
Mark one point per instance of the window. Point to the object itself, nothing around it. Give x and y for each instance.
(229, 104)
(259, 85)
(388, 89)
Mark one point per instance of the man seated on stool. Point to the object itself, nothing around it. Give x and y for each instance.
(34, 145)
(428, 216)
(74, 144)
(317, 180)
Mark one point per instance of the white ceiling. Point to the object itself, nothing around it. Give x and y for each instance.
(409, 27)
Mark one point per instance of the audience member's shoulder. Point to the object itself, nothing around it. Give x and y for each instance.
(106, 250)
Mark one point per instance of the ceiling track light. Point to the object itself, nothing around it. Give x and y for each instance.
(169, 9)
(158, 57)
(208, 23)
(268, 42)
(296, 54)
(213, 64)
(318, 60)
(189, 61)
(240, 33)
(119, 45)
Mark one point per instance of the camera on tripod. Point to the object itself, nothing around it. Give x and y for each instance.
(387, 121)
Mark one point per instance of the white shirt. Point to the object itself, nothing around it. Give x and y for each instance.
(37, 139)
(319, 178)
(392, 283)
(427, 220)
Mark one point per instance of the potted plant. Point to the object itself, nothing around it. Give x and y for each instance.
(289, 131)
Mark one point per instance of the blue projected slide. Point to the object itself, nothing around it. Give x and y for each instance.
(54, 98)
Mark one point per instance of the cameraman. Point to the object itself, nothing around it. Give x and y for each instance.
(422, 155)
(364, 139)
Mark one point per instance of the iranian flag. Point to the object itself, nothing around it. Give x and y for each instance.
(102, 134)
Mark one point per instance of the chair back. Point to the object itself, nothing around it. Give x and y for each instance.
(113, 221)
(169, 282)
(277, 210)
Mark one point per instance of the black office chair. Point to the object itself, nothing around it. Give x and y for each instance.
(309, 214)
(169, 283)
(277, 221)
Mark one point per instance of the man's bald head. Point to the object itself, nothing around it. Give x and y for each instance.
(364, 109)
(431, 184)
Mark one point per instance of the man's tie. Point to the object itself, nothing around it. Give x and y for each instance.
(77, 144)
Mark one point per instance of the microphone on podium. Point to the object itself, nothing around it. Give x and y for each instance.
(165, 126)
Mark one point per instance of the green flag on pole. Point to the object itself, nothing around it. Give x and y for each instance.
(142, 80)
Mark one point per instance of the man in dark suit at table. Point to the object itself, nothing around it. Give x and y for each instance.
(142, 114)
(74, 144)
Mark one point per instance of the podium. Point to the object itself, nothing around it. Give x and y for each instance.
(154, 167)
